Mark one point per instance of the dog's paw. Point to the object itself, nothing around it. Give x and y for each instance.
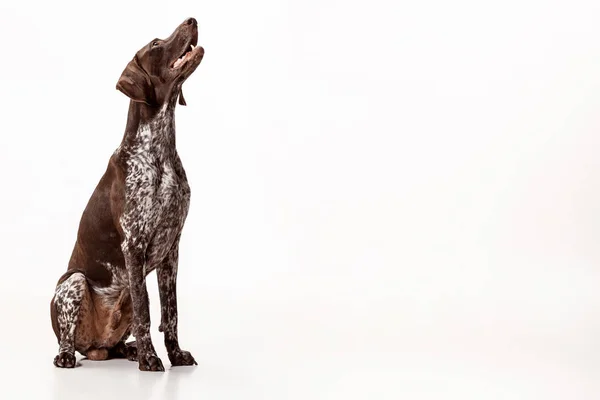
(150, 362)
(131, 353)
(65, 360)
(182, 357)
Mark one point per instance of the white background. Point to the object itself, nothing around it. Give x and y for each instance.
(390, 200)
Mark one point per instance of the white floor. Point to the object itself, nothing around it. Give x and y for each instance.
(254, 346)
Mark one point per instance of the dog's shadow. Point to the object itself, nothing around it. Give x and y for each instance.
(116, 379)
(105, 379)
(174, 378)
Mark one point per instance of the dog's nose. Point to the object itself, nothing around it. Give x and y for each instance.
(191, 21)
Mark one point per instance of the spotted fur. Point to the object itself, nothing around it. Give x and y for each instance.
(68, 296)
(132, 226)
(158, 197)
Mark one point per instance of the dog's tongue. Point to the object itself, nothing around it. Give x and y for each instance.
(181, 99)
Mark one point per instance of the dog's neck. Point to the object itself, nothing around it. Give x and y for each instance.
(150, 129)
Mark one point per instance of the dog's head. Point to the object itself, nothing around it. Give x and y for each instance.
(158, 70)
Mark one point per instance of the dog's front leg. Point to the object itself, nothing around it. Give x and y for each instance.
(167, 288)
(134, 260)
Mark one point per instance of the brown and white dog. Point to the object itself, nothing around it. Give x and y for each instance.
(132, 222)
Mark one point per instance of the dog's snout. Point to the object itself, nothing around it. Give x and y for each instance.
(191, 21)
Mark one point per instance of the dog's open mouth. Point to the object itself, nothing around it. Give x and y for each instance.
(185, 57)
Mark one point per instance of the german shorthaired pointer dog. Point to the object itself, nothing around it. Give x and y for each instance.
(132, 222)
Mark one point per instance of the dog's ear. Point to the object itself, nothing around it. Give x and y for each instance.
(181, 99)
(136, 84)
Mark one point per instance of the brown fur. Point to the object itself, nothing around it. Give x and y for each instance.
(132, 222)
(102, 325)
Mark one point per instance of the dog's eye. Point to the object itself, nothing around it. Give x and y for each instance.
(155, 43)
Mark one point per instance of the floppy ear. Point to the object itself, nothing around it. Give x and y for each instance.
(135, 84)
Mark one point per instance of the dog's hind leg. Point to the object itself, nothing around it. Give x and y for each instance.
(66, 306)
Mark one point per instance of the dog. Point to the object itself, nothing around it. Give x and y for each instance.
(132, 222)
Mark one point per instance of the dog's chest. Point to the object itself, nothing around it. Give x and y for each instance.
(162, 193)
(157, 194)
